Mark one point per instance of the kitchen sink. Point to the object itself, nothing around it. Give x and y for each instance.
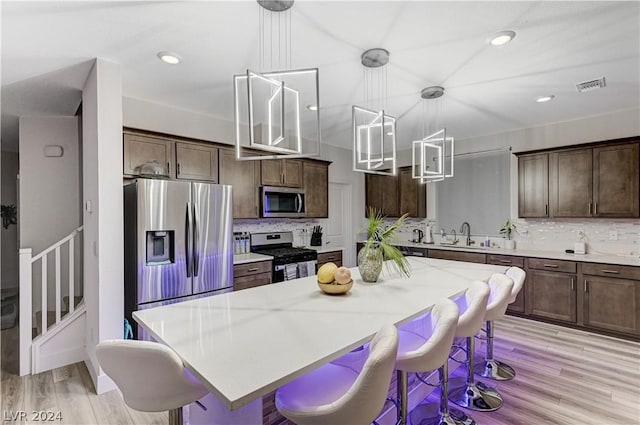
(444, 245)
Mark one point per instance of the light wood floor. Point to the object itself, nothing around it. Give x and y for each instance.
(564, 377)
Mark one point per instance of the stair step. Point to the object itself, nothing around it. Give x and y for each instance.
(51, 320)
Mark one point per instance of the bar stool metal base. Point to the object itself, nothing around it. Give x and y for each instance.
(494, 369)
(430, 414)
(476, 396)
(175, 416)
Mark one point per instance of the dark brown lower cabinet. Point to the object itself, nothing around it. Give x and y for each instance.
(469, 257)
(612, 304)
(511, 261)
(250, 275)
(330, 257)
(551, 295)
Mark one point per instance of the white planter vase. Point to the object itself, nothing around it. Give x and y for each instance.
(509, 244)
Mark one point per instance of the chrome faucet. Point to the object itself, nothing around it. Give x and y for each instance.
(455, 238)
(466, 227)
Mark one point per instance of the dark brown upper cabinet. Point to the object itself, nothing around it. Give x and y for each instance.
(571, 184)
(396, 195)
(140, 149)
(601, 180)
(382, 194)
(533, 185)
(282, 172)
(316, 188)
(413, 195)
(244, 176)
(196, 162)
(616, 178)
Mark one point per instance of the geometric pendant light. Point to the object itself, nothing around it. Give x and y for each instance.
(276, 112)
(374, 131)
(432, 158)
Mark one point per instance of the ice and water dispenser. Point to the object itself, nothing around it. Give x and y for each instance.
(160, 247)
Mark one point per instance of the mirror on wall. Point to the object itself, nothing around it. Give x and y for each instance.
(478, 193)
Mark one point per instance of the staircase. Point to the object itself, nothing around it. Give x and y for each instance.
(57, 338)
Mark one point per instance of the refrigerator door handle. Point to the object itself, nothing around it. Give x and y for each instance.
(188, 225)
(196, 237)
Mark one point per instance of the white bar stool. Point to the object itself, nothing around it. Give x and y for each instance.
(333, 394)
(424, 345)
(470, 394)
(491, 368)
(151, 376)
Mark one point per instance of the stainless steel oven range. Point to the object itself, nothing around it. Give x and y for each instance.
(288, 262)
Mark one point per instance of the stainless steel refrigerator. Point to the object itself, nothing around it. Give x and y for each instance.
(178, 243)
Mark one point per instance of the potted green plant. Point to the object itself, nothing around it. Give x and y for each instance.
(9, 215)
(507, 229)
(378, 247)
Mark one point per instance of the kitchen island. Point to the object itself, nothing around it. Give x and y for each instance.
(244, 345)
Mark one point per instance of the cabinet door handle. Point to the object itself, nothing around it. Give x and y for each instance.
(586, 286)
(573, 284)
(546, 209)
(253, 270)
(169, 168)
(595, 209)
(552, 266)
(178, 168)
(331, 258)
(589, 208)
(610, 271)
(505, 261)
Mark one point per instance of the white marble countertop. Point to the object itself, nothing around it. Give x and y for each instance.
(325, 248)
(243, 345)
(554, 255)
(250, 257)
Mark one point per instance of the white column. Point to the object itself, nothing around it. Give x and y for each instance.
(103, 207)
(24, 256)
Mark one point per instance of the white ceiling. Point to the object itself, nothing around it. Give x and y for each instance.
(46, 48)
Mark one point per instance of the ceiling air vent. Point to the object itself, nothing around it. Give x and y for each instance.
(591, 85)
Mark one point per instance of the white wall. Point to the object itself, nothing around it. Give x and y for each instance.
(103, 214)
(49, 195)
(9, 236)
(49, 187)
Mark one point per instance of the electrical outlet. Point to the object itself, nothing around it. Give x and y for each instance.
(613, 235)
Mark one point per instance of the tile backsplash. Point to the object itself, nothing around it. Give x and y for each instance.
(618, 237)
(279, 225)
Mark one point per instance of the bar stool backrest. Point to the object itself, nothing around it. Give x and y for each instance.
(500, 286)
(518, 276)
(151, 376)
(472, 305)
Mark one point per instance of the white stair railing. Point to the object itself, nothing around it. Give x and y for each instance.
(27, 262)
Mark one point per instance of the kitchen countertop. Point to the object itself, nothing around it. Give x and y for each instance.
(250, 258)
(325, 248)
(218, 337)
(554, 255)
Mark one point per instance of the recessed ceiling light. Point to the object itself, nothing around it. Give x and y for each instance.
(312, 107)
(542, 99)
(169, 57)
(502, 38)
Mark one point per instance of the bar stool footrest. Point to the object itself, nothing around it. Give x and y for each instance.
(476, 396)
(494, 369)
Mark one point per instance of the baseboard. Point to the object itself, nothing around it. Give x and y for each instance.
(101, 382)
(59, 359)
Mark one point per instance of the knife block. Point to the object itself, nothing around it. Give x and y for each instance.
(316, 239)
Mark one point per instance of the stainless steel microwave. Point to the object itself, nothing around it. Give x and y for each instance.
(282, 202)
